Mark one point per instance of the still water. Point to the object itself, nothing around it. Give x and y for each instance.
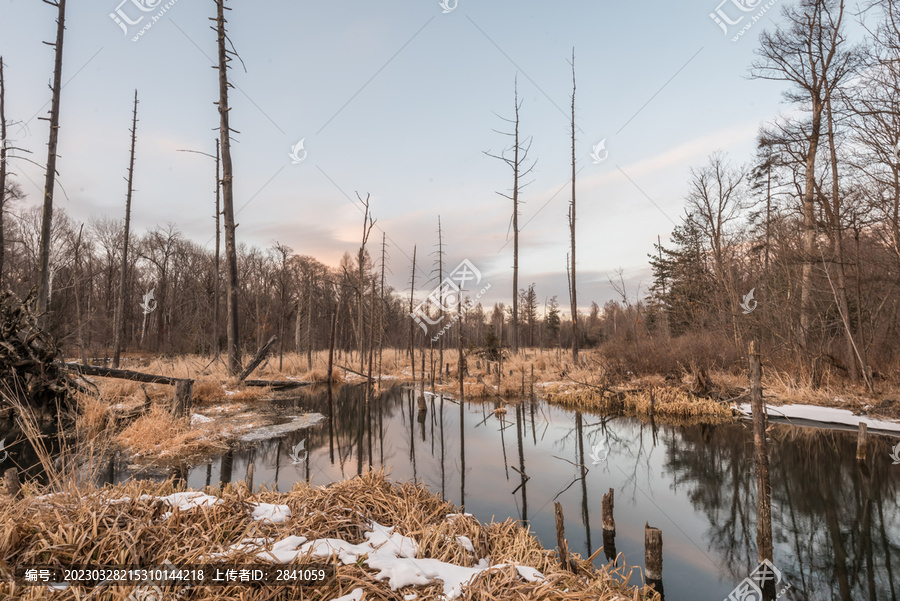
(836, 527)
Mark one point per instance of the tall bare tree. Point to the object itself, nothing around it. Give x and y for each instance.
(2, 166)
(123, 279)
(50, 177)
(805, 52)
(216, 283)
(368, 224)
(440, 262)
(573, 290)
(519, 168)
(412, 331)
(231, 282)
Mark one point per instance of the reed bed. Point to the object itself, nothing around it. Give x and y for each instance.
(667, 402)
(159, 434)
(85, 526)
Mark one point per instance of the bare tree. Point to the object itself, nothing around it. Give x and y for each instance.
(412, 332)
(573, 291)
(517, 163)
(231, 282)
(440, 262)
(50, 178)
(368, 224)
(2, 166)
(123, 280)
(805, 53)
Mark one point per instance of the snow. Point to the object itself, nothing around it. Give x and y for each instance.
(272, 514)
(453, 516)
(393, 555)
(188, 500)
(355, 595)
(826, 415)
(197, 419)
(466, 543)
(297, 423)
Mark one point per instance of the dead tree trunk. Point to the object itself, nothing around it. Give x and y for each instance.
(368, 223)
(517, 163)
(121, 374)
(50, 177)
(123, 279)
(763, 492)
(381, 307)
(370, 382)
(260, 355)
(234, 343)
(216, 285)
(573, 294)
(441, 295)
(2, 167)
(331, 345)
(412, 331)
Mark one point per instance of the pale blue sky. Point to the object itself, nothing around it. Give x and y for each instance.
(399, 100)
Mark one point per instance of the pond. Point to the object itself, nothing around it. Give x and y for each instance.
(836, 527)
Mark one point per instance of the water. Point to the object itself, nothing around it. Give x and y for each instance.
(836, 528)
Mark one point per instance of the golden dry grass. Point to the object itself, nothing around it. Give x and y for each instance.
(83, 527)
(159, 434)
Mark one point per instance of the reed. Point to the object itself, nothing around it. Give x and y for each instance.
(81, 526)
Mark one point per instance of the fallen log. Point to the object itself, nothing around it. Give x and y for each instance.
(121, 374)
(260, 355)
(277, 384)
(353, 371)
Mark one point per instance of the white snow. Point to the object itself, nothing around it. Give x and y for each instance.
(188, 500)
(826, 415)
(355, 595)
(197, 419)
(273, 514)
(452, 516)
(393, 555)
(466, 543)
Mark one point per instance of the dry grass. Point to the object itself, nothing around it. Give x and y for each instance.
(81, 527)
(159, 434)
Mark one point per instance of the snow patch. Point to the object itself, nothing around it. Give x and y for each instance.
(466, 543)
(393, 555)
(355, 595)
(825, 415)
(272, 514)
(197, 419)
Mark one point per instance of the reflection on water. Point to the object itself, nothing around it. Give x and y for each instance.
(836, 526)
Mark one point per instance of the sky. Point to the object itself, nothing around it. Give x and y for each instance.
(401, 101)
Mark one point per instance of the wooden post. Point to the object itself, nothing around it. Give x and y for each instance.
(861, 442)
(763, 492)
(13, 486)
(609, 522)
(564, 561)
(653, 562)
(250, 476)
(184, 391)
(331, 346)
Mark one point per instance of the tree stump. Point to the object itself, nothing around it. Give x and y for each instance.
(13, 486)
(861, 442)
(184, 391)
(653, 543)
